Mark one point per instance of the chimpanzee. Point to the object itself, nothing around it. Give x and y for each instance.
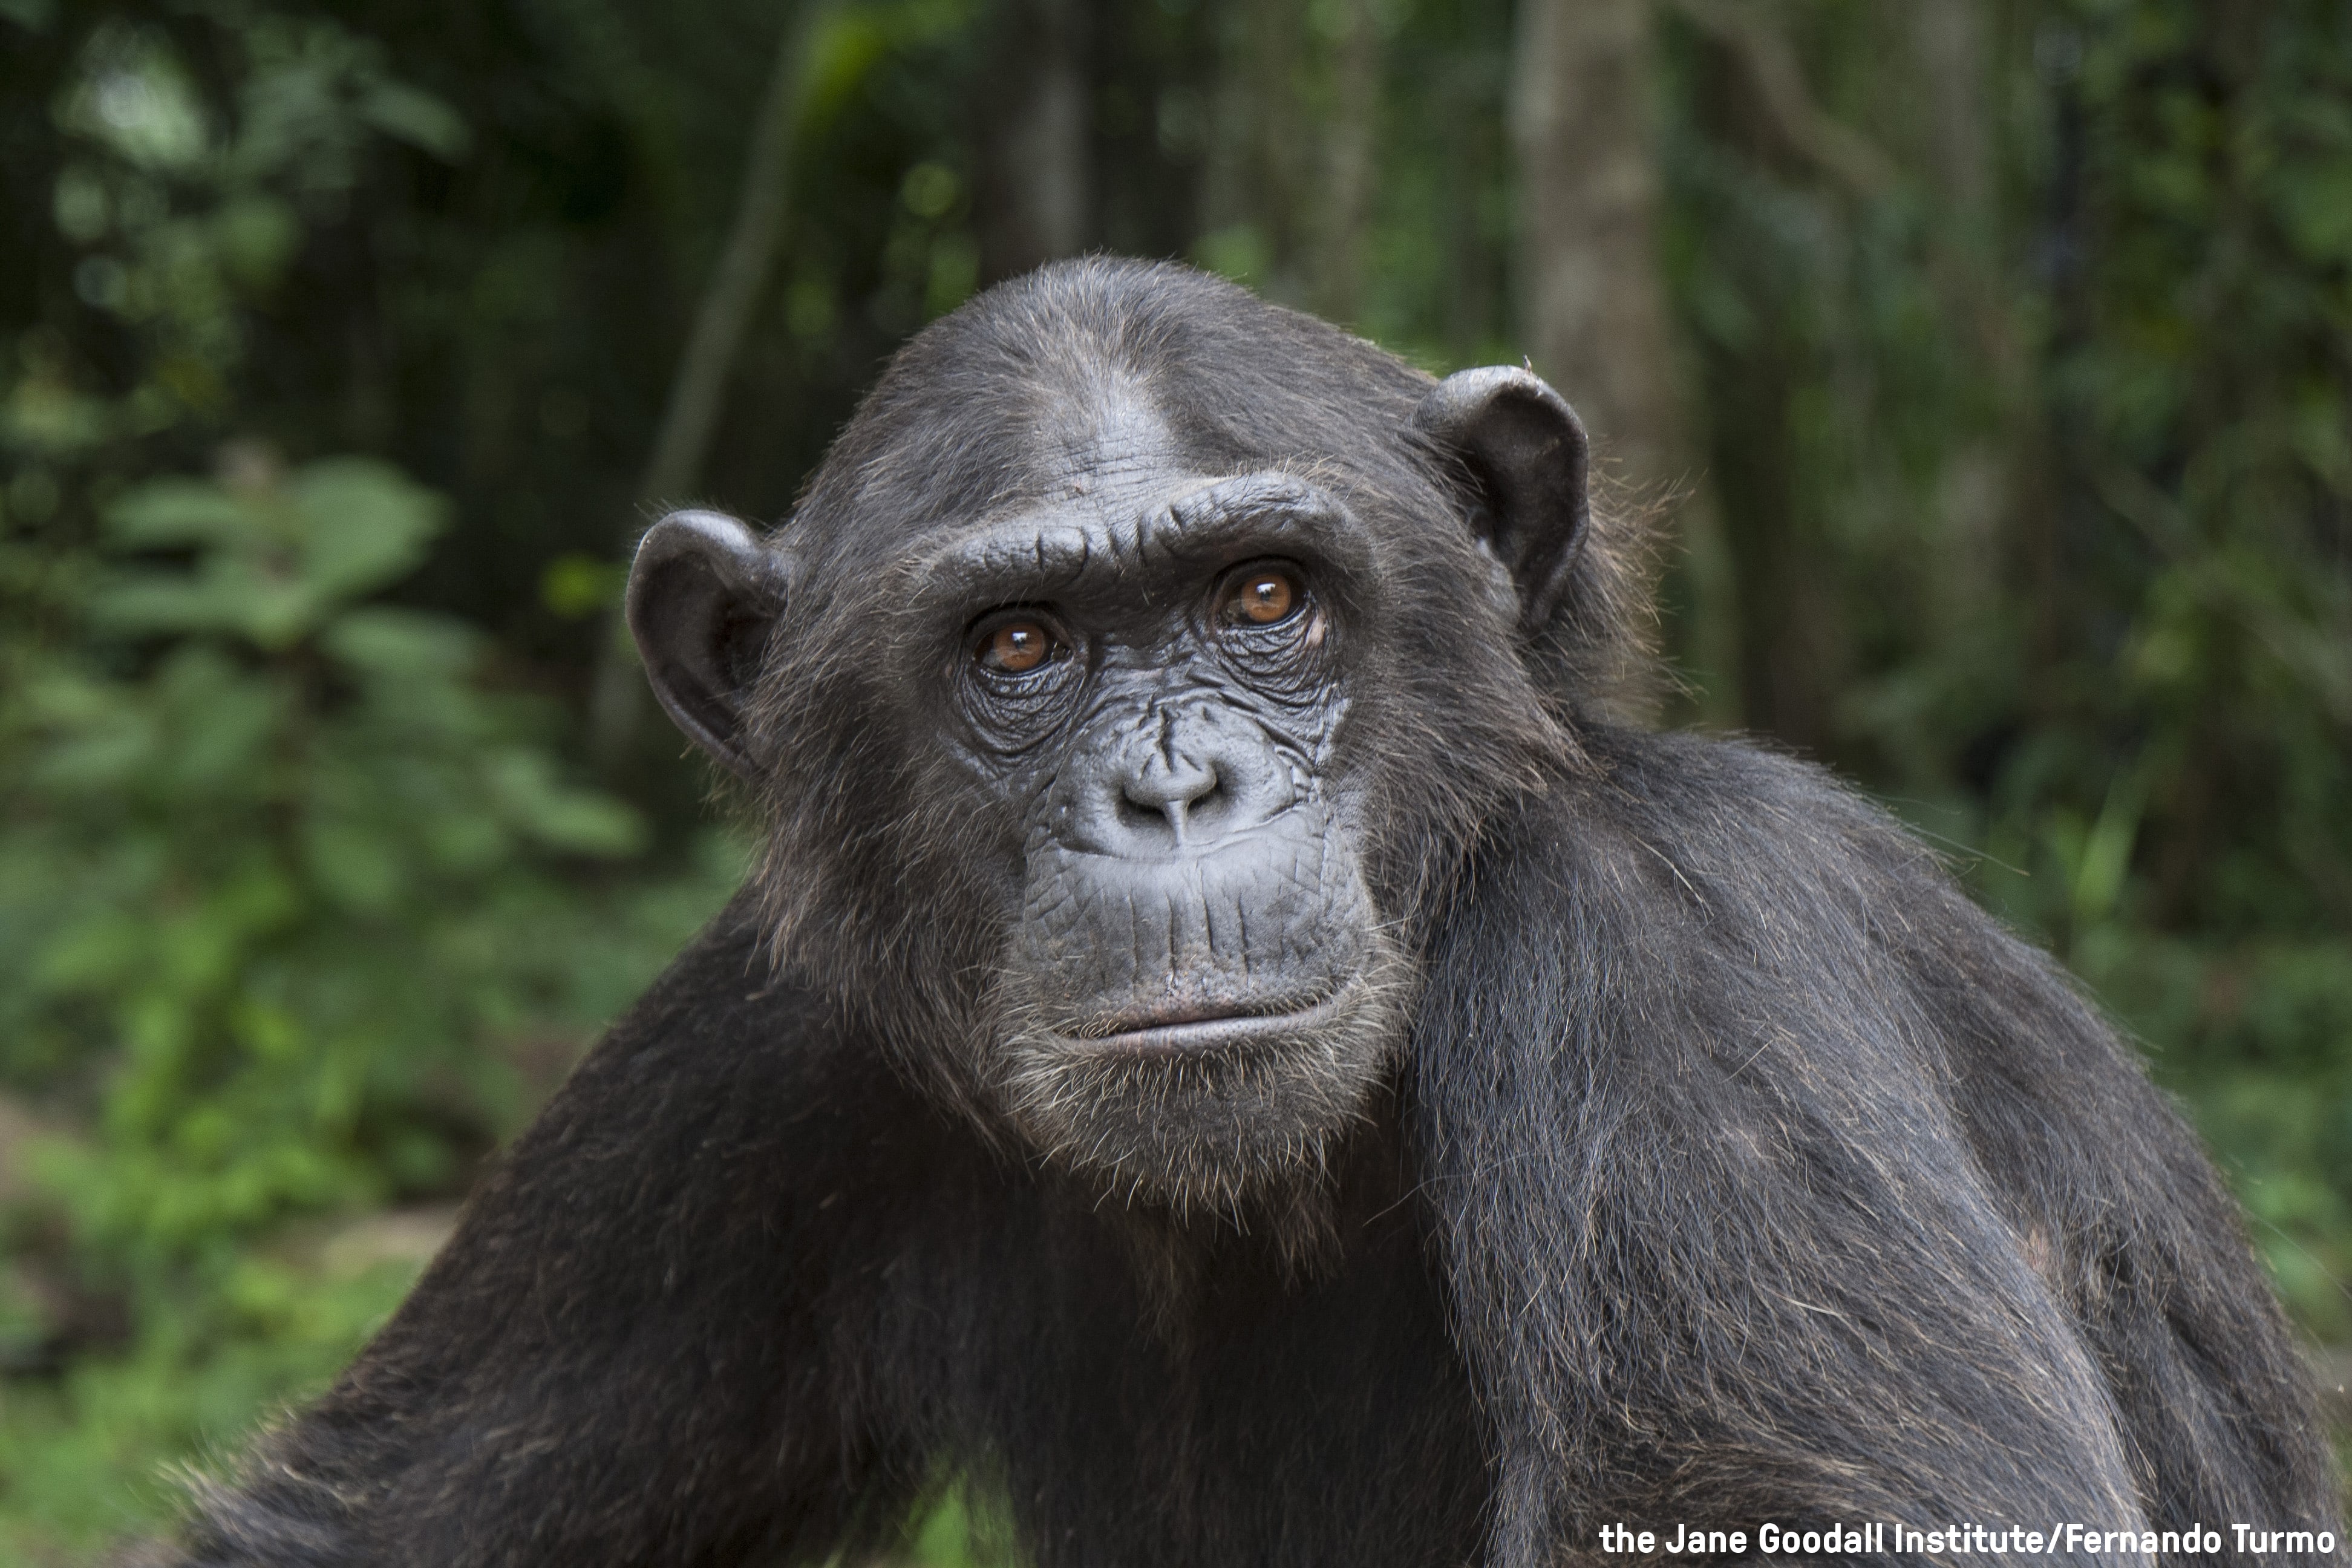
(1241, 1044)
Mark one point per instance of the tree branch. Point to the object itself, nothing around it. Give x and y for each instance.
(698, 391)
(1772, 67)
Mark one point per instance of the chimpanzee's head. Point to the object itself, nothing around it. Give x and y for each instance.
(1137, 665)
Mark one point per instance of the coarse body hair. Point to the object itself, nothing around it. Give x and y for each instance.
(1726, 1165)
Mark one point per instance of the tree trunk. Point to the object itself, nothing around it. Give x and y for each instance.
(1593, 305)
(1978, 491)
(1351, 151)
(1788, 615)
(1592, 297)
(1037, 142)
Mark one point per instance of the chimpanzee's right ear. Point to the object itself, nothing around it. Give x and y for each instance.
(704, 593)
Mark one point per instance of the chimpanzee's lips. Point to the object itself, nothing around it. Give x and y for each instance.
(1194, 1028)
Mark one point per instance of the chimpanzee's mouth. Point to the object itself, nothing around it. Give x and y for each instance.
(1196, 1027)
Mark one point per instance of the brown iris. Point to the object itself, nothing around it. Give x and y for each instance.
(1262, 598)
(1016, 647)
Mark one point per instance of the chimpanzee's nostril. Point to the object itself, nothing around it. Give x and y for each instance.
(1139, 817)
(1210, 800)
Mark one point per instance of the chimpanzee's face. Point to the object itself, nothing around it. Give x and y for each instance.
(1151, 679)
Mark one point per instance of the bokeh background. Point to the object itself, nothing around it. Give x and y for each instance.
(1992, 360)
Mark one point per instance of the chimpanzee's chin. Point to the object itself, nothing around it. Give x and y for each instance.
(1206, 1112)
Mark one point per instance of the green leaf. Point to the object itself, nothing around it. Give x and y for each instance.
(165, 513)
(365, 524)
(256, 235)
(415, 116)
(403, 645)
(355, 865)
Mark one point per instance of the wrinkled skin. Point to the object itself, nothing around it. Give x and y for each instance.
(1200, 991)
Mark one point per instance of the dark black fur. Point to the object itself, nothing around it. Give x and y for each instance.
(1729, 1166)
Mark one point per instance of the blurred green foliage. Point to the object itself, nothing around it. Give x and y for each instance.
(295, 887)
(334, 338)
(2043, 443)
(281, 871)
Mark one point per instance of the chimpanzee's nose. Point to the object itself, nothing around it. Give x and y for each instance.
(1173, 785)
(1163, 782)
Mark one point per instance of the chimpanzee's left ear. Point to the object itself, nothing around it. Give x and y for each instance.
(1524, 447)
(704, 593)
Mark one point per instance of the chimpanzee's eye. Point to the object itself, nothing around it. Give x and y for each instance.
(1260, 596)
(1017, 645)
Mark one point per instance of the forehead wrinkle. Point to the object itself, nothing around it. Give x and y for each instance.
(1240, 497)
(1095, 541)
(1111, 432)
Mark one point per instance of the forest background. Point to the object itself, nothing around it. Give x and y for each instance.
(1994, 358)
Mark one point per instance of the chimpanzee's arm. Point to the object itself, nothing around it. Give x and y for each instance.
(636, 1348)
(2126, 1218)
(1722, 1249)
